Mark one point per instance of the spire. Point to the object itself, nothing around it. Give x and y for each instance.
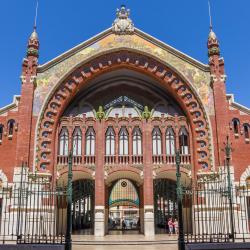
(213, 43)
(33, 44)
(34, 33)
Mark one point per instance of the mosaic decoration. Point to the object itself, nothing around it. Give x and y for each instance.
(46, 80)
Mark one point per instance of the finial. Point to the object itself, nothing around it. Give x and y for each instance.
(123, 25)
(210, 16)
(34, 33)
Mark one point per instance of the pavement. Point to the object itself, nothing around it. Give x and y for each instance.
(124, 242)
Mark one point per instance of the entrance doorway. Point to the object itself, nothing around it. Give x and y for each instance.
(123, 207)
(83, 207)
(165, 204)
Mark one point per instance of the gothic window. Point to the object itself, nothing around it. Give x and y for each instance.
(246, 130)
(170, 141)
(110, 141)
(236, 124)
(90, 141)
(77, 141)
(1, 132)
(64, 142)
(183, 140)
(156, 136)
(11, 124)
(137, 141)
(123, 141)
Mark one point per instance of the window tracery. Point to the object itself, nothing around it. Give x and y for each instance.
(170, 141)
(137, 141)
(90, 142)
(110, 141)
(123, 141)
(77, 142)
(183, 140)
(64, 142)
(157, 141)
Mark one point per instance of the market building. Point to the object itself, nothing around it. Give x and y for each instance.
(123, 103)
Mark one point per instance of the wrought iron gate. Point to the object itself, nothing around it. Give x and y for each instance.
(165, 203)
(83, 206)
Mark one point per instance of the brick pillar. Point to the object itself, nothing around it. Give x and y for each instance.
(99, 181)
(218, 78)
(148, 180)
(25, 109)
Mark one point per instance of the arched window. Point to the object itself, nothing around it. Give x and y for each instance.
(183, 140)
(170, 141)
(248, 182)
(236, 124)
(11, 124)
(156, 136)
(77, 141)
(246, 131)
(110, 141)
(1, 132)
(90, 141)
(123, 141)
(64, 142)
(137, 141)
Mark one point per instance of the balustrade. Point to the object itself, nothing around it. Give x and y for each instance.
(89, 159)
(123, 159)
(157, 159)
(110, 159)
(62, 159)
(137, 159)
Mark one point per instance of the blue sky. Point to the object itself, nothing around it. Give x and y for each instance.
(182, 24)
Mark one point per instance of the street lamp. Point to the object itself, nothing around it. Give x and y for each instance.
(181, 243)
(228, 150)
(68, 239)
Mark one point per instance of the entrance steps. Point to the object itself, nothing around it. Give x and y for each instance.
(125, 239)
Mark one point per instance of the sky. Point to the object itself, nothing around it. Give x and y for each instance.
(63, 24)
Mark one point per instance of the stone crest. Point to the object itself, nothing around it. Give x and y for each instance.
(123, 25)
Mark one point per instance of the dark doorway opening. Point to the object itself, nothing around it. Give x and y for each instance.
(83, 207)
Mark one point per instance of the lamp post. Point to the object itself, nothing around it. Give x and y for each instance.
(68, 239)
(181, 243)
(228, 150)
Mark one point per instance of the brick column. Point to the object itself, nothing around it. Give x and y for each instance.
(149, 227)
(99, 181)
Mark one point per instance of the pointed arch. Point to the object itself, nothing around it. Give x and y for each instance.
(77, 142)
(137, 141)
(90, 142)
(123, 141)
(157, 141)
(184, 141)
(170, 141)
(110, 141)
(11, 124)
(64, 142)
(169, 78)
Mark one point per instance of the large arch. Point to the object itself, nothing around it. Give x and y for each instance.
(174, 83)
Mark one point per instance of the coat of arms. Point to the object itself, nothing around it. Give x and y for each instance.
(123, 25)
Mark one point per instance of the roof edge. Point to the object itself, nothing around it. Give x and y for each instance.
(230, 98)
(142, 34)
(14, 104)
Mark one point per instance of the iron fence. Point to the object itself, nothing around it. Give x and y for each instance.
(215, 210)
(33, 210)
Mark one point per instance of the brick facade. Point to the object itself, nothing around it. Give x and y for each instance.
(209, 130)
